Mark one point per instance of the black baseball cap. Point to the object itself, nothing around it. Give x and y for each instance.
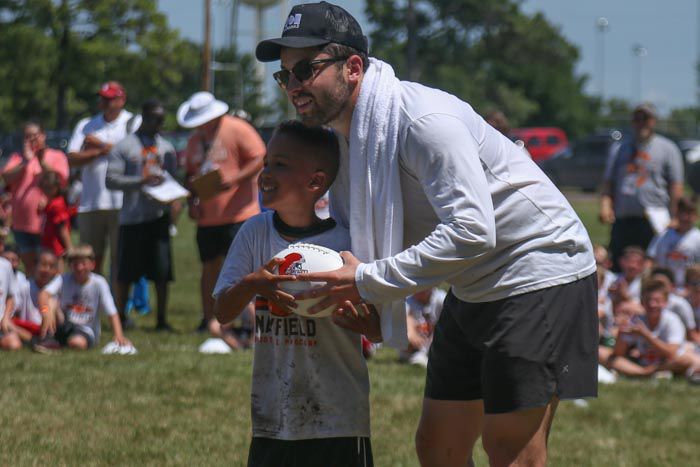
(314, 24)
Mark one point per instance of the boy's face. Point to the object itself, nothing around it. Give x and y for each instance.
(82, 267)
(632, 264)
(13, 258)
(654, 302)
(288, 178)
(46, 269)
(686, 220)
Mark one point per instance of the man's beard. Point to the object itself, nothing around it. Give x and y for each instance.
(328, 105)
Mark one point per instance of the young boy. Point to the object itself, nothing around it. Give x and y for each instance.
(82, 295)
(35, 294)
(310, 385)
(679, 247)
(657, 338)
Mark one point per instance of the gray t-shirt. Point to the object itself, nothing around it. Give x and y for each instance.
(126, 171)
(641, 175)
(676, 251)
(309, 376)
(81, 303)
(682, 309)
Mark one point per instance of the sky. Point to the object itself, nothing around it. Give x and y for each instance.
(666, 31)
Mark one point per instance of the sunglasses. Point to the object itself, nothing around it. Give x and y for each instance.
(303, 70)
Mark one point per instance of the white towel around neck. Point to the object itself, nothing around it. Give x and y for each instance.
(373, 188)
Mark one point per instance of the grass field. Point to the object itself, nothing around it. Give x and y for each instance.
(169, 405)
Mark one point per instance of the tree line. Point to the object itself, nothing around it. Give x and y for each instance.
(55, 53)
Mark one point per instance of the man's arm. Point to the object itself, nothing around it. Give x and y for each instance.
(116, 178)
(91, 149)
(675, 192)
(606, 213)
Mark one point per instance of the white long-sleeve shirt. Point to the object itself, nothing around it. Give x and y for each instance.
(478, 213)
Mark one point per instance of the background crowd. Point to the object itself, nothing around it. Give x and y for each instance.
(97, 188)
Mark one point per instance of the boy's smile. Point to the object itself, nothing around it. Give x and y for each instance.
(287, 180)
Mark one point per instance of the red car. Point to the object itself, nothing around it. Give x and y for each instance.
(542, 142)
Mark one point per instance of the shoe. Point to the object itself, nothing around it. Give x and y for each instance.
(367, 348)
(46, 346)
(127, 324)
(164, 327)
(203, 326)
(693, 375)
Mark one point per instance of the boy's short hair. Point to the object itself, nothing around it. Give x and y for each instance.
(46, 252)
(692, 273)
(82, 251)
(654, 285)
(687, 204)
(634, 250)
(10, 248)
(323, 141)
(667, 273)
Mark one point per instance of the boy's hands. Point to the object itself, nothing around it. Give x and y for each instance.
(362, 319)
(264, 282)
(340, 285)
(121, 340)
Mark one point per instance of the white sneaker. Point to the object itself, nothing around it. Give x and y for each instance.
(419, 358)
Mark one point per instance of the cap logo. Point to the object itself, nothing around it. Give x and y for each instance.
(293, 22)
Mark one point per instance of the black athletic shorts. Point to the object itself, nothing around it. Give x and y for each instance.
(144, 250)
(321, 452)
(518, 352)
(67, 330)
(214, 241)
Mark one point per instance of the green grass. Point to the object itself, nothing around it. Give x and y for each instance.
(169, 405)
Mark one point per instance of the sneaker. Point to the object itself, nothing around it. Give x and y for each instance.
(128, 324)
(203, 326)
(164, 327)
(367, 348)
(46, 346)
(693, 375)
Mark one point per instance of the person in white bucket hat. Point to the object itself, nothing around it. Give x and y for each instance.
(228, 152)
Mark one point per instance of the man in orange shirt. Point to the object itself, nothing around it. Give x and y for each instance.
(229, 153)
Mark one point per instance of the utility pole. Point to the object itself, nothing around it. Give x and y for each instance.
(411, 42)
(602, 24)
(206, 57)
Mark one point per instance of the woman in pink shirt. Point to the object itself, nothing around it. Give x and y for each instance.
(21, 174)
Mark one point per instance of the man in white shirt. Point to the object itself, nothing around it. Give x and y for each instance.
(432, 193)
(93, 138)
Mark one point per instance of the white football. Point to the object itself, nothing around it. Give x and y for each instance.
(306, 257)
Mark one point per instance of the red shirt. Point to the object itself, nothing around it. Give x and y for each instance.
(55, 215)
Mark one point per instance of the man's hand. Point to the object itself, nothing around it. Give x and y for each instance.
(362, 319)
(93, 142)
(265, 282)
(153, 180)
(340, 285)
(607, 214)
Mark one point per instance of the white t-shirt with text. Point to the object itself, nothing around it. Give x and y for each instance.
(309, 376)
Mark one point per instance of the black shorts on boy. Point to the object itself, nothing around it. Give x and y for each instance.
(67, 330)
(321, 452)
(214, 241)
(518, 352)
(144, 250)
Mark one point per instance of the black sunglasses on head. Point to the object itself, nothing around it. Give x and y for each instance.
(302, 70)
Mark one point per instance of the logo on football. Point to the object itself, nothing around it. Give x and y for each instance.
(302, 258)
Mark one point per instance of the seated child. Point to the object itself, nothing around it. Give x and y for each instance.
(422, 312)
(629, 281)
(9, 339)
(30, 300)
(310, 404)
(654, 341)
(679, 247)
(81, 296)
(676, 303)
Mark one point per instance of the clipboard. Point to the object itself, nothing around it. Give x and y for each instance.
(166, 192)
(207, 186)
